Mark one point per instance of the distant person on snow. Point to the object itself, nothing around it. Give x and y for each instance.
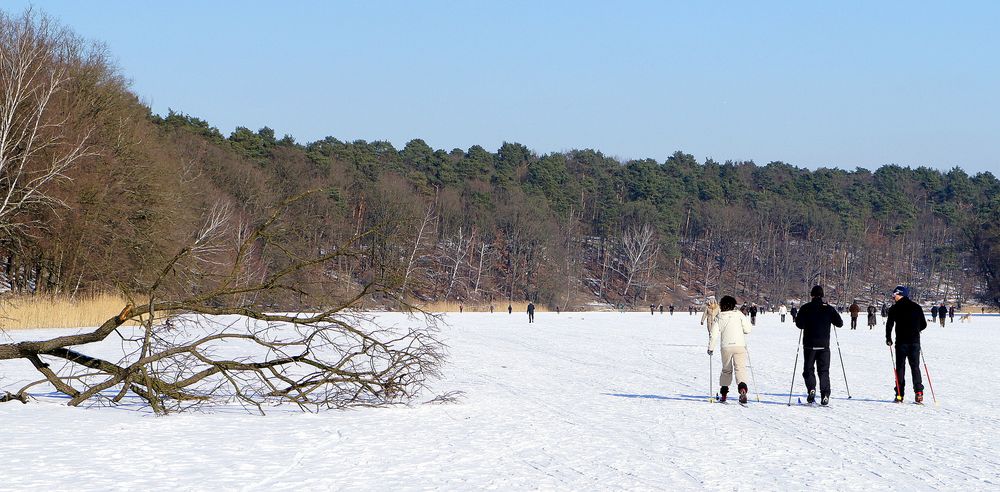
(510, 309)
(782, 312)
(661, 308)
(711, 311)
(671, 309)
(729, 331)
(908, 319)
(951, 314)
(753, 314)
(855, 310)
(795, 312)
(942, 311)
(531, 313)
(885, 311)
(652, 308)
(814, 319)
(934, 313)
(871, 316)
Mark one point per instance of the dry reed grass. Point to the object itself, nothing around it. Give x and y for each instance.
(477, 307)
(30, 312)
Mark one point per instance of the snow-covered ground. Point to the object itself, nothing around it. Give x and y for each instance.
(575, 401)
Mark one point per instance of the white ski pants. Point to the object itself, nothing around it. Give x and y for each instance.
(733, 358)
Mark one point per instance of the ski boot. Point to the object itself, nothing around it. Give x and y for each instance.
(743, 393)
(825, 400)
(812, 397)
(919, 398)
(723, 391)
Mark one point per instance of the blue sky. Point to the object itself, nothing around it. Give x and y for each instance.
(845, 84)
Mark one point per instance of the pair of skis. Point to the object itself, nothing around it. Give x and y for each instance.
(717, 399)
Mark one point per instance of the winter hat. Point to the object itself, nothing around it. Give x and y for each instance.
(711, 300)
(817, 291)
(901, 290)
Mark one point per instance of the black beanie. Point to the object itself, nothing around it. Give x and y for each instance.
(817, 291)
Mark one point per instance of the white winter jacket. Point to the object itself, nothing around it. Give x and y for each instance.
(732, 326)
(782, 311)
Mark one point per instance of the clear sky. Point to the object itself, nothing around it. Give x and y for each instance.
(836, 84)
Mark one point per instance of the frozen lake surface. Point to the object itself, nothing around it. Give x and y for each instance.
(575, 401)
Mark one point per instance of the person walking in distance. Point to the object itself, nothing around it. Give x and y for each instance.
(942, 311)
(671, 309)
(907, 317)
(855, 311)
(814, 319)
(951, 313)
(871, 316)
(531, 313)
(652, 308)
(711, 311)
(782, 312)
(510, 309)
(729, 331)
(753, 314)
(795, 312)
(661, 308)
(934, 312)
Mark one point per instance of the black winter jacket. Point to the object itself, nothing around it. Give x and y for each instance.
(908, 318)
(815, 319)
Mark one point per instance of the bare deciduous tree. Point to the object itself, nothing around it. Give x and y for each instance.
(38, 142)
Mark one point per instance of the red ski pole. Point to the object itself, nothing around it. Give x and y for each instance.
(895, 374)
(928, 372)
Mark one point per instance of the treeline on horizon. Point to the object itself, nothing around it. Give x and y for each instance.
(483, 227)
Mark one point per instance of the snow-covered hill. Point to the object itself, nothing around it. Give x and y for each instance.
(575, 401)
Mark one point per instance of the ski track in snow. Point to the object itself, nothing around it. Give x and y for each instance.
(575, 401)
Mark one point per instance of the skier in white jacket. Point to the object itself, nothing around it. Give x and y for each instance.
(729, 331)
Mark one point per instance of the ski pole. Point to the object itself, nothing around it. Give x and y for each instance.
(754, 377)
(928, 372)
(710, 373)
(799, 347)
(895, 374)
(842, 368)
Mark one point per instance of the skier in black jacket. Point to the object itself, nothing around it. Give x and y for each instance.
(815, 319)
(908, 319)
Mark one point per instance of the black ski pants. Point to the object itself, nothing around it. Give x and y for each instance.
(854, 322)
(910, 351)
(817, 359)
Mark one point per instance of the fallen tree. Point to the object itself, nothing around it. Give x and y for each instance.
(213, 327)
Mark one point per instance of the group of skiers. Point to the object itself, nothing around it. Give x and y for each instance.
(728, 328)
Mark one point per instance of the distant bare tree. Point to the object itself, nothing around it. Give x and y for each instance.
(638, 249)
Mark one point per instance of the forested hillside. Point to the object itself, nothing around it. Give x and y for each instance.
(124, 186)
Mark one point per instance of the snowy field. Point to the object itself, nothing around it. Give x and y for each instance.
(576, 401)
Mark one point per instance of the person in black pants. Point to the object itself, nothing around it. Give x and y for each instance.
(908, 319)
(531, 313)
(814, 319)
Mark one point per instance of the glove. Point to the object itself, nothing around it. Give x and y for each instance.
(709, 351)
(888, 340)
(702, 323)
